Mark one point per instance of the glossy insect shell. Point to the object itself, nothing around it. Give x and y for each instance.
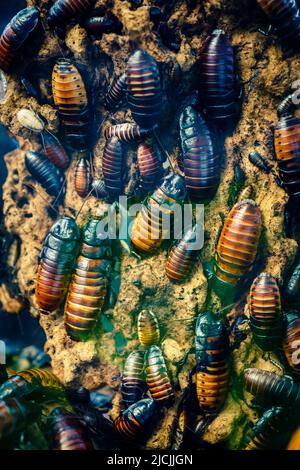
(292, 289)
(217, 79)
(112, 166)
(158, 381)
(15, 415)
(97, 25)
(148, 329)
(45, 173)
(148, 230)
(284, 16)
(265, 312)
(150, 167)
(55, 151)
(15, 34)
(125, 132)
(291, 341)
(201, 162)
(30, 120)
(133, 380)
(144, 94)
(116, 92)
(57, 259)
(67, 431)
(258, 160)
(133, 422)
(82, 178)
(89, 284)
(265, 431)
(63, 11)
(212, 369)
(183, 255)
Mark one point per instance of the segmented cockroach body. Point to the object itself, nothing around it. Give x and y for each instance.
(30, 120)
(99, 188)
(15, 415)
(57, 260)
(291, 343)
(55, 151)
(288, 104)
(201, 163)
(182, 256)
(258, 160)
(212, 367)
(292, 289)
(265, 312)
(272, 389)
(133, 380)
(284, 15)
(125, 132)
(15, 34)
(158, 381)
(116, 92)
(237, 246)
(82, 178)
(89, 284)
(112, 166)
(143, 85)
(45, 173)
(148, 329)
(149, 228)
(133, 422)
(67, 431)
(266, 430)
(63, 11)
(71, 99)
(217, 79)
(150, 167)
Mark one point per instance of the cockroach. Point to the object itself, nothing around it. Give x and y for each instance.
(67, 431)
(157, 377)
(201, 162)
(112, 167)
(99, 188)
(98, 25)
(15, 415)
(150, 167)
(148, 329)
(125, 132)
(89, 284)
(29, 119)
(284, 15)
(292, 288)
(64, 11)
(45, 173)
(71, 99)
(133, 380)
(82, 177)
(148, 229)
(239, 334)
(265, 432)
(132, 423)
(266, 319)
(182, 256)
(291, 342)
(57, 260)
(55, 151)
(212, 362)
(116, 92)
(288, 105)
(217, 79)
(144, 94)
(259, 161)
(15, 34)
(272, 389)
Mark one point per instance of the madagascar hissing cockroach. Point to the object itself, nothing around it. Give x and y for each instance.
(157, 377)
(45, 173)
(125, 132)
(116, 92)
(16, 414)
(64, 11)
(259, 161)
(266, 319)
(15, 34)
(149, 165)
(133, 422)
(133, 379)
(284, 15)
(212, 362)
(182, 256)
(272, 389)
(82, 177)
(217, 80)
(291, 341)
(292, 289)
(288, 104)
(201, 162)
(149, 229)
(31, 120)
(98, 25)
(89, 283)
(66, 431)
(148, 329)
(57, 260)
(112, 167)
(99, 188)
(55, 151)
(144, 94)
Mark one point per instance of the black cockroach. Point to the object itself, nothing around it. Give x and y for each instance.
(158, 381)
(182, 256)
(125, 132)
(291, 343)
(15, 415)
(133, 379)
(133, 422)
(64, 11)
(67, 431)
(259, 161)
(15, 33)
(149, 165)
(112, 166)
(82, 177)
(116, 92)
(45, 173)
(98, 25)
(148, 328)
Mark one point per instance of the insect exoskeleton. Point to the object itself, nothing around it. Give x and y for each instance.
(67, 431)
(16, 414)
(259, 161)
(284, 15)
(157, 377)
(266, 430)
(148, 329)
(116, 92)
(133, 422)
(150, 167)
(112, 167)
(291, 342)
(55, 151)
(133, 379)
(89, 284)
(57, 260)
(266, 319)
(45, 173)
(97, 25)
(63, 11)
(82, 177)
(125, 132)
(151, 226)
(183, 255)
(31, 120)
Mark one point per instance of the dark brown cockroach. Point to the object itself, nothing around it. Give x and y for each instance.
(272, 389)
(45, 173)
(266, 319)
(67, 431)
(82, 177)
(71, 99)
(150, 167)
(132, 423)
(98, 25)
(133, 379)
(284, 15)
(112, 166)
(64, 11)
(182, 256)
(15, 33)
(143, 85)
(116, 92)
(157, 377)
(292, 288)
(291, 342)
(15, 415)
(259, 161)
(55, 151)
(57, 260)
(217, 80)
(125, 132)
(148, 329)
